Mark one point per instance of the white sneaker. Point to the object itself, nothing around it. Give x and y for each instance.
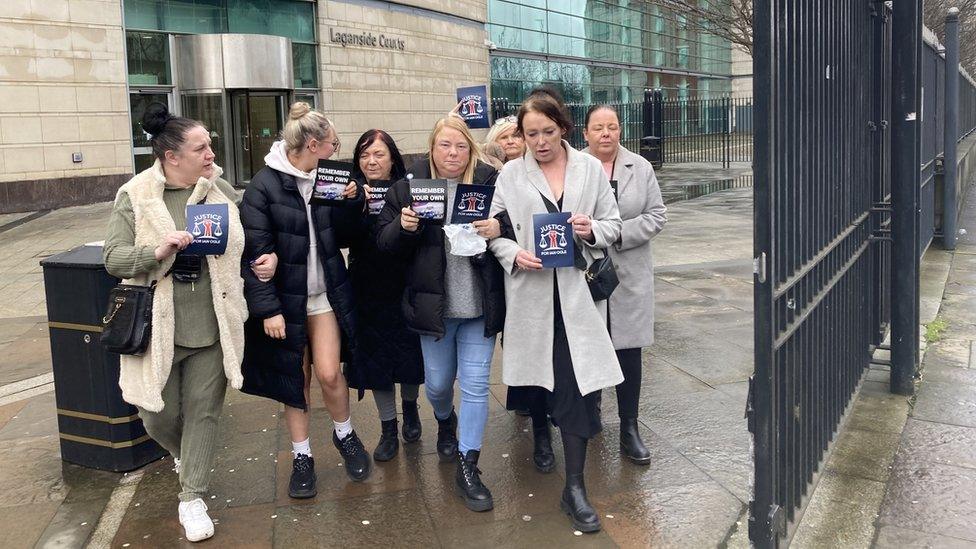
(196, 523)
(176, 465)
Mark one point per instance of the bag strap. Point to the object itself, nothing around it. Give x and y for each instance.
(578, 260)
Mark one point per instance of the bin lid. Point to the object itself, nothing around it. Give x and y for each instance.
(82, 257)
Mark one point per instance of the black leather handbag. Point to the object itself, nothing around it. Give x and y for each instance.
(601, 277)
(127, 325)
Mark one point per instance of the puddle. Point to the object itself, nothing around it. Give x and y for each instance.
(676, 191)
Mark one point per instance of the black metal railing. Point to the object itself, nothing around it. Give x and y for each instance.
(816, 187)
(691, 130)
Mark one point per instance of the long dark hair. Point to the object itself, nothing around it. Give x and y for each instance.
(166, 132)
(397, 171)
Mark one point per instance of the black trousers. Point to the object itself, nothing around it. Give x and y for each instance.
(628, 392)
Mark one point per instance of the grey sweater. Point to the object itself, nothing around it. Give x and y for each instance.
(462, 286)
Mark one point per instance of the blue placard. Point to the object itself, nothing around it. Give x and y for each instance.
(553, 237)
(473, 106)
(471, 203)
(208, 225)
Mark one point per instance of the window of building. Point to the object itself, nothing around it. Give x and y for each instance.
(148, 58)
(305, 64)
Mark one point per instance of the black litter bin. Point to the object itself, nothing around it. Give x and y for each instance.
(651, 148)
(98, 429)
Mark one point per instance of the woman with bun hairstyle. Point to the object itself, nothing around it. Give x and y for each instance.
(198, 308)
(631, 307)
(556, 339)
(455, 303)
(388, 352)
(303, 320)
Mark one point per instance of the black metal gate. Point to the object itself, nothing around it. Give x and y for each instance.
(820, 216)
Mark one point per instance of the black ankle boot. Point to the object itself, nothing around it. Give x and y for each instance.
(631, 444)
(575, 504)
(411, 421)
(388, 445)
(355, 455)
(301, 485)
(542, 454)
(476, 495)
(447, 442)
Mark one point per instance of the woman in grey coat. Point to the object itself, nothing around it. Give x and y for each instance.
(631, 307)
(556, 338)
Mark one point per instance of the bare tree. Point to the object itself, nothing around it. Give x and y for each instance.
(728, 19)
(934, 12)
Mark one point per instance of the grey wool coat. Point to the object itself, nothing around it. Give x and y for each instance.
(529, 330)
(644, 215)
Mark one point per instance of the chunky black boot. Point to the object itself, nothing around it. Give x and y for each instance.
(302, 482)
(355, 455)
(631, 444)
(411, 421)
(447, 442)
(575, 504)
(468, 484)
(386, 448)
(542, 455)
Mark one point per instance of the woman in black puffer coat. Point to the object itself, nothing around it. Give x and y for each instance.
(306, 313)
(387, 351)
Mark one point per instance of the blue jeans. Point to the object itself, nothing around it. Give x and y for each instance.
(463, 353)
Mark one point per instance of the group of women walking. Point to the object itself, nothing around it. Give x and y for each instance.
(404, 309)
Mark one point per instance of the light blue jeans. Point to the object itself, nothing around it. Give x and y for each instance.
(463, 353)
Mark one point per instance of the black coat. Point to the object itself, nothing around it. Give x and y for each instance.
(274, 218)
(424, 298)
(387, 351)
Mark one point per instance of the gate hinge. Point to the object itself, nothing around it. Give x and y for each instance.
(884, 124)
(872, 126)
(759, 267)
(750, 414)
(772, 524)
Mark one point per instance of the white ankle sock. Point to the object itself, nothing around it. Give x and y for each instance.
(302, 447)
(343, 428)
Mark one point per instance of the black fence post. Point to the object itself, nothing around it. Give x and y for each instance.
(949, 207)
(906, 39)
(657, 129)
(647, 114)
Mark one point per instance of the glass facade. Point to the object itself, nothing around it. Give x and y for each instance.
(294, 19)
(602, 50)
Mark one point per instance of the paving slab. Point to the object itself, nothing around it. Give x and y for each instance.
(931, 497)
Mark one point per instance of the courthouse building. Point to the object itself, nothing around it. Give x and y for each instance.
(76, 75)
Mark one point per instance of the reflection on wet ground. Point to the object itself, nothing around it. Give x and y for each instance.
(677, 191)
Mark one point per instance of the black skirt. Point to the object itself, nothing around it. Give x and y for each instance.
(572, 412)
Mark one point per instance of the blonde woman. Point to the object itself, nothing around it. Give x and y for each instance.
(456, 304)
(305, 314)
(504, 132)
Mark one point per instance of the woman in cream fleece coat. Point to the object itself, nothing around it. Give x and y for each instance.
(197, 338)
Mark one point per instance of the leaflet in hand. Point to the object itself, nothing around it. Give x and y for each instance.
(429, 199)
(471, 203)
(553, 236)
(377, 196)
(208, 225)
(331, 179)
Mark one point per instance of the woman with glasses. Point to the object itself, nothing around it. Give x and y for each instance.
(504, 132)
(631, 307)
(456, 303)
(302, 320)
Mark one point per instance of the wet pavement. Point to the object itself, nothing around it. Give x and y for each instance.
(693, 494)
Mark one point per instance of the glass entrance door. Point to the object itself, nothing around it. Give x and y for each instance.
(258, 119)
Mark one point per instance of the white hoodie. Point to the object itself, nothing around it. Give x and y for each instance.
(277, 159)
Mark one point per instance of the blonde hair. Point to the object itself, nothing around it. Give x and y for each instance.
(494, 155)
(455, 123)
(304, 123)
(501, 126)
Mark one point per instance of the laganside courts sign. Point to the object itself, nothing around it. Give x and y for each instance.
(366, 39)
